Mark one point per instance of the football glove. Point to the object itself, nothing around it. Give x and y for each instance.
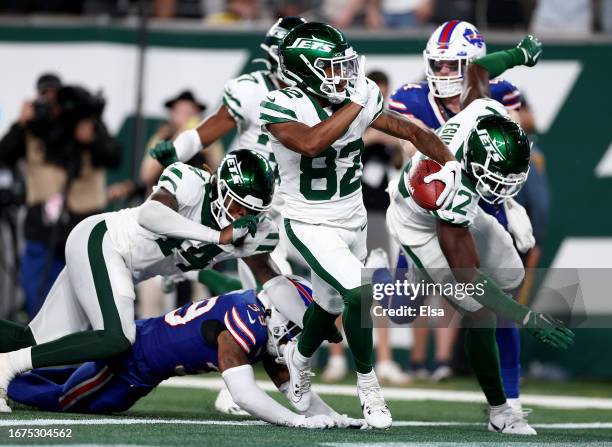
(548, 330)
(318, 421)
(532, 50)
(450, 175)
(519, 225)
(244, 225)
(164, 152)
(359, 91)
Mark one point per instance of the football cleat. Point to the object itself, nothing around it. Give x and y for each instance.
(6, 375)
(299, 380)
(441, 373)
(336, 369)
(375, 410)
(509, 421)
(225, 404)
(391, 373)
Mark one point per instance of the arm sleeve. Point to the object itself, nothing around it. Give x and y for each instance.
(376, 102)
(187, 145)
(241, 384)
(234, 101)
(317, 405)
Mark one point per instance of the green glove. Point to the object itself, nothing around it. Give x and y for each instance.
(165, 153)
(244, 225)
(548, 330)
(532, 50)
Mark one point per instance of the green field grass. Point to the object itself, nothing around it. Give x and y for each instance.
(196, 424)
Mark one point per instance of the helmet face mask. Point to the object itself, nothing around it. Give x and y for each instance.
(497, 157)
(243, 177)
(453, 42)
(318, 59)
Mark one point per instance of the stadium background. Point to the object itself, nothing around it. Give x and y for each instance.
(565, 91)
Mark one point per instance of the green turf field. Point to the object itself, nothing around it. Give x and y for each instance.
(179, 416)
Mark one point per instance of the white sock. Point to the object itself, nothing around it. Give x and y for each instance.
(300, 360)
(21, 360)
(514, 403)
(497, 409)
(367, 379)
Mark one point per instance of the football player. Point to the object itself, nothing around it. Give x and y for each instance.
(227, 333)
(316, 130)
(192, 220)
(240, 111)
(494, 153)
(449, 51)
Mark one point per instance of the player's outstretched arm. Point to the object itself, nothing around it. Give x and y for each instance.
(240, 380)
(428, 143)
(188, 143)
(460, 251)
(311, 141)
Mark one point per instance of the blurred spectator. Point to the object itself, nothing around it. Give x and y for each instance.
(42, 6)
(562, 16)
(168, 9)
(606, 15)
(236, 11)
(398, 13)
(66, 149)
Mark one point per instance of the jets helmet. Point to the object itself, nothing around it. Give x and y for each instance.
(273, 38)
(243, 176)
(497, 158)
(318, 58)
(453, 44)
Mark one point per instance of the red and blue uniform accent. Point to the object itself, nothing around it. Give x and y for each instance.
(165, 346)
(446, 34)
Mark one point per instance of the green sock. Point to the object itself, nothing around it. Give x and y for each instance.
(14, 336)
(500, 61)
(218, 283)
(318, 325)
(79, 347)
(481, 349)
(359, 338)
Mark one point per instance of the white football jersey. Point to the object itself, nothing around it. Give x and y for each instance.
(242, 96)
(147, 254)
(325, 189)
(415, 225)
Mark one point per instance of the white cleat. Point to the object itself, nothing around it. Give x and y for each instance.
(391, 373)
(336, 369)
(509, 421)
(375, 410)
(299, 380)
(225, 404)
(441, 373)
(6, 375)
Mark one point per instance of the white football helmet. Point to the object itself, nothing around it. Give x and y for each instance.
(451, 47)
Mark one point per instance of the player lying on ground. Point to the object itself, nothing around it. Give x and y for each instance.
(227, 333)
(449, 51)
(316, 131)
(494, 153)
(191, 221)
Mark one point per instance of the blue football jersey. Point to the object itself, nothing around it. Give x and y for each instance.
(416, 99)
(174, 344)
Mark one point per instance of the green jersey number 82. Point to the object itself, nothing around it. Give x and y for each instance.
(327, 173)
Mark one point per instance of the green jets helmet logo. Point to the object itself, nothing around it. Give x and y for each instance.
(490, 145)
(313, 44)
(234, 169)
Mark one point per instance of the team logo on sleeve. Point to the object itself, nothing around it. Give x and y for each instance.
(313, 44)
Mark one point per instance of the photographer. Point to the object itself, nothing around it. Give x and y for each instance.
(65, 149)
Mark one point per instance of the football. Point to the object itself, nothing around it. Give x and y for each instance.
(425, 194)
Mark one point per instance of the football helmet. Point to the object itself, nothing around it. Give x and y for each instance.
(273, 38)
(451, 47)
(243, 176)
(318, 58)
(497, 158)
(280, 329)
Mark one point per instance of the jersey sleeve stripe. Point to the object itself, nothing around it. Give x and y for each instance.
(232, 112)
(265, 248)
(166, 179)
(243, 327)
(273, 119)
(177, 172)
(272, 236)
(241, 341)
(280, 109)
(232, 97)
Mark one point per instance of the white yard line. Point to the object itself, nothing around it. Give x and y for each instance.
(411, 394)
(144, 421)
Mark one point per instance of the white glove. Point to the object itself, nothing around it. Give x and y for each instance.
(359, 91)
(450, 175)
(319, 421)
(519, 225)
(343, 421)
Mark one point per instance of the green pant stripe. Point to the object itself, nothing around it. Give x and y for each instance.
(311, 260)
(102, 283)
(417, 261)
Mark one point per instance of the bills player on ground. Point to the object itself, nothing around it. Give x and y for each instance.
(227, 333)
(449, 51)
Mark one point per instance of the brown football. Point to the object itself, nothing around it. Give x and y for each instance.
(425, 194)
